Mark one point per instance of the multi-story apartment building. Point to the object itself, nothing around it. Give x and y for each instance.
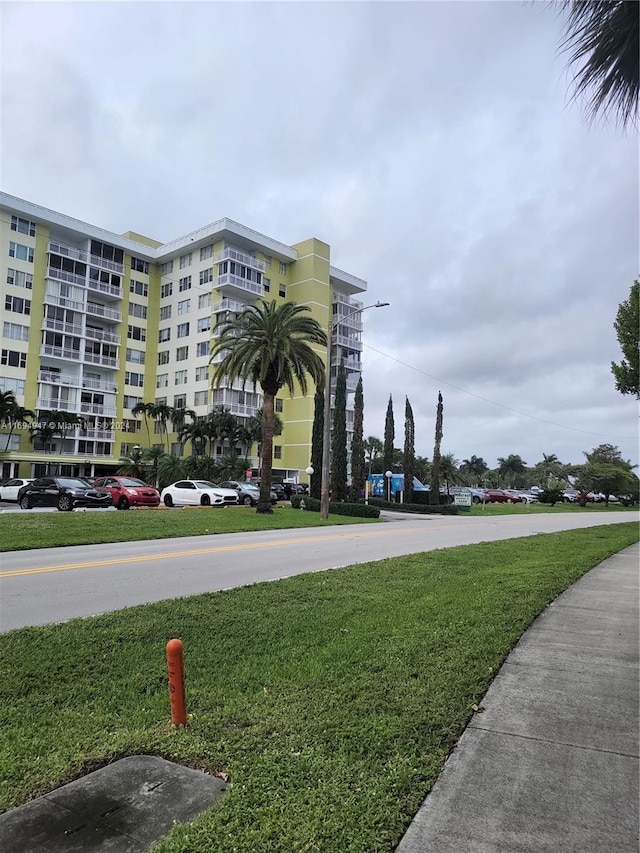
(94, 323)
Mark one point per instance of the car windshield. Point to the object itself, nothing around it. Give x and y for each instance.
(73, 483)
(204, 484)
(130, 481)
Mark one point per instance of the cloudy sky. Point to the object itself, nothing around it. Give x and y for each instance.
(433, 145)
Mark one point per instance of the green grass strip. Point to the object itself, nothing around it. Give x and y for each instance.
(331, 699)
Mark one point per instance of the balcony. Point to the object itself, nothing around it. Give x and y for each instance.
(97, 409)
(99, 385)
(104, 360)
(350, 343)
(63, 302)
(63, 275)
(52, 405)
(231, 254)
(67, 251)
(217, 358)
(60, 326)
(233, 285)
(60, 352)
(229, 305)
(96, 434)
(102, 311)
(107, 289)
(354, 304)
(349, 363)
(240, 409)
(102, 335)
(350, 322)
(105, 264)
(59, 378)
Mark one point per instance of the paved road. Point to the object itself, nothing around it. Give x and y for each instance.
(51, 585)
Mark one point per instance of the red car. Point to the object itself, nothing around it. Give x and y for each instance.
(498, 496)
(128, 491)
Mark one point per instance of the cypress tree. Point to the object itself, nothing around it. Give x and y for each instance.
(317, 438)
(389, 435)
(434, 495)
(358, 465)
(409, 461)
(339, 443)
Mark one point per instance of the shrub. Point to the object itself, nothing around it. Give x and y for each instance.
(359, 510)
(550, 496)
(424, 498)
(424, 509)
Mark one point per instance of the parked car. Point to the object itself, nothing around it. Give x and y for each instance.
(477, 495)
(530, 497)
(247, 493)
(9, 488)
(500, 496)
(128, 491)
(65, 493)
(197, 493)
(280, 490)
(514, 496)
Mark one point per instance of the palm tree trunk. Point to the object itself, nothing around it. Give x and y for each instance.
(268, 423)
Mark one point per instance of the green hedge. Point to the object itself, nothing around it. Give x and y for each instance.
(423, 498)
(443, 509)
(356, 510)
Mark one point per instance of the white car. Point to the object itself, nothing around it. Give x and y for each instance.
(197, 493)
(529, 497)
(9, 491)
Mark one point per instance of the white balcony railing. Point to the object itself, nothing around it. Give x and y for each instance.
(347, 300)
(239, 409)
(99, 385)
(231, 254)
(102, 287)
(350, 343)
(59, 378)
(63, 302)
(349, 363)
(104, 360)
(67, 251)
(60, 326)
(102, 335)
(97, 261)
(53, 405)
(96, 434)
(59, 352)
(97, 409)
(234, 281)
(63, 275)
(351, 322)
(229, 305)
(102, 311)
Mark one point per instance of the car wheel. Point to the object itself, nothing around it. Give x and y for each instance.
(246, 500)
(205, 500)
(168, 500)
(475, 499)
(123, 503)
(65, 504)
(25, 503)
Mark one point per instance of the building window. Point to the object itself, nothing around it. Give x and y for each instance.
(204, 300)
(15, 332)
(166, 289)
(13, 442)
(164, 335)
(23, 226)
(166, 268)
(184, 307)
(177, 449)
(130, 402)
(202, 374)
(184, 283)
(204, 324)
(206, 276)
(17, 305)
(266, 283)
(182, 330)
(140, 266)
(11, 358)
(186, 260)
(180, 401)
(23, 253)
(206, 252)
(161, 401)
(162, 380)
(139, 287)
(282, 290)
(137, 310)
(165, 312)
(136, 379)
(200, 398)
(182, 353)
(163, 357)
(202, 348)
(277, 451)
(282, 268)
(15, 385)
(131, 425)
(135, 356)
(107, 252)
(136, 333)
(267, 260)
(180, 377)
(25, 279)
(279, 405)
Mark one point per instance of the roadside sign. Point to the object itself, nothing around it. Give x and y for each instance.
(463, 501)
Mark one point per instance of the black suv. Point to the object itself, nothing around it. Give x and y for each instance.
(66, 493)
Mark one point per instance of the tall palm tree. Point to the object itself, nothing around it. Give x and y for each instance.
(601, 38)
(449, 471)
(270, 345)
(511, 468)
(474, 467)
(373, 448)
(14, 416)
(133, 465)
(146, 410)
(161, 413)
(8, 403)
(66, 421)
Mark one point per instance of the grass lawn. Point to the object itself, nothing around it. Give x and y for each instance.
(51, 529)
(331, 700)
(532, 509)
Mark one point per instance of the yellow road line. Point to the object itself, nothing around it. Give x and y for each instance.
(200, 551)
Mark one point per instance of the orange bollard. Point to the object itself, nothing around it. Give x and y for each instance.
(175, 666)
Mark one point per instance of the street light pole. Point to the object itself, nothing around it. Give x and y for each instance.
(326, 430)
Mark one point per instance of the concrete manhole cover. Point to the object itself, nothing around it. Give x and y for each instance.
(125, 807)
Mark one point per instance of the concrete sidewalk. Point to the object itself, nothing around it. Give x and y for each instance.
(551, 762)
